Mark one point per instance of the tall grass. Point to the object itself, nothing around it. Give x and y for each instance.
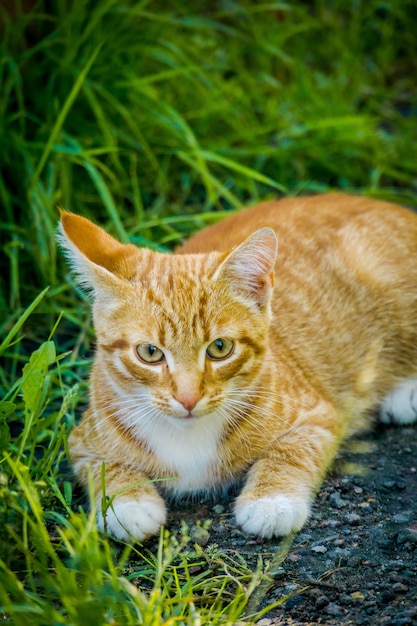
(156, 118)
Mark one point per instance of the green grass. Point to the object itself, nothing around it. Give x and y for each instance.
(154, 119)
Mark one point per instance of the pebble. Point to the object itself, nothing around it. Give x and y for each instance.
(319, 549)
(337, 501)
(340, 543)
(345, 599)
(353, 519)
(200, 535)
(399, 588)
(407, 534)
(321, 602)
(402, 518)
(365, 507)
(333, 609)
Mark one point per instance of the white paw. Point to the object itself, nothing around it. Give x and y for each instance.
(400, 405)
(133, 520)
(266, 517)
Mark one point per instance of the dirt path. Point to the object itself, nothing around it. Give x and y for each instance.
(356, 561)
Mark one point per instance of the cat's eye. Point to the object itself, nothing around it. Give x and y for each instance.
(220, 348)
(149, 353)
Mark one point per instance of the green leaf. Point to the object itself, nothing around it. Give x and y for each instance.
(34, 373)
(6, 408)
(13, 332)
(4, 437)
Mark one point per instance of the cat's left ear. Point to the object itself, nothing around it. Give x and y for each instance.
(99, 260)
(250, 266)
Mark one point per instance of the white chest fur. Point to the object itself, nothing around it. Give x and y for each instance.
(189, 450)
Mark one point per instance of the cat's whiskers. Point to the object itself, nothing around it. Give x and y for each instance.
(264, 392)
(239, 410)
(122, 411)
(261, 409)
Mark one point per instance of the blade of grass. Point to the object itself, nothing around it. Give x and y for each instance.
(66, 107)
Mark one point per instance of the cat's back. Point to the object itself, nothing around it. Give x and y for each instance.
(323, 219)
(331, 233)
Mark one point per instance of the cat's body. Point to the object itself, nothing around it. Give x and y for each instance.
(273, 400)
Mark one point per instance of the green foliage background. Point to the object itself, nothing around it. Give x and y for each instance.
(154, 119)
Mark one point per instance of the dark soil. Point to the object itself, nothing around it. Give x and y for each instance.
(355, 562)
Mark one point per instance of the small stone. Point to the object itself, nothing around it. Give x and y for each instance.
(357, 596)
(345, 599)
(339, 542)
(399, 588)
(322, 601)
(319, 549)
(337, 501)
(396, 564)
(387, 596)
(353, 519)
(402, 621)
(264, 622)
(218, 509)
(333, 609)
(407, 534)
(402, 518)
(200, 535)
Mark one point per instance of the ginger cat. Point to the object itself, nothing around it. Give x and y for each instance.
(206, 372)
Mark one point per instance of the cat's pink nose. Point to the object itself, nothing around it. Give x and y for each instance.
(188, 400)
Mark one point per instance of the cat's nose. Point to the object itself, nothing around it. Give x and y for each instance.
(188, 399)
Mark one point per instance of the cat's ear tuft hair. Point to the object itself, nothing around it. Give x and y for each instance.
(98, 259)
(250, 266)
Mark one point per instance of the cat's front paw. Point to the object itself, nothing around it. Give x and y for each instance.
(272, 516)
(133, 520)
(400, 404)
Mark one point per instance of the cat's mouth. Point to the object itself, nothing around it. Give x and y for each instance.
(187, 418)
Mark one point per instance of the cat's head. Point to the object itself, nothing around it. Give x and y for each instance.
(179, 334)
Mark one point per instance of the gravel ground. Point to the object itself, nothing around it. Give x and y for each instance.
(356, 560)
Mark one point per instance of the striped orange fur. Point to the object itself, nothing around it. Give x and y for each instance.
(226, 361)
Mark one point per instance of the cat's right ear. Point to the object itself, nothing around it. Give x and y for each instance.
(97, 258)
(250, 266)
